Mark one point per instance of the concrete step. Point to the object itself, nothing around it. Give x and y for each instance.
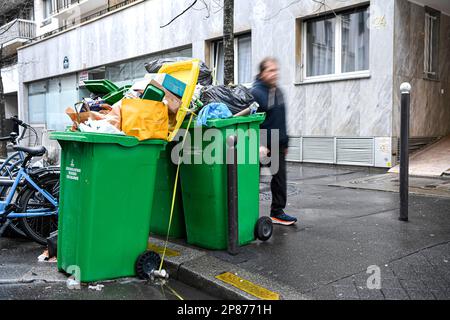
(432, 161)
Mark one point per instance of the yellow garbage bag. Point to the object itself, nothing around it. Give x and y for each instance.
(145, 119)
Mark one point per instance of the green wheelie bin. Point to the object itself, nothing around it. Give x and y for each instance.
(162, 199)
(106, 192)
(204, 183)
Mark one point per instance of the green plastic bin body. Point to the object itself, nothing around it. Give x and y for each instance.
(204, 186)
(106, 192)
(162, 199)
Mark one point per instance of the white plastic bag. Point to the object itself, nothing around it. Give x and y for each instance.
(99, 126)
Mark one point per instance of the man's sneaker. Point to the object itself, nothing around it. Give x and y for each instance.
(283, 219)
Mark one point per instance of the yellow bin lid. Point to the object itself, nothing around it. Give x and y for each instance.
(186, 71)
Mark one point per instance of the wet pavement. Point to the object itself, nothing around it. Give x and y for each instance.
(342, 234)
(342, 231)
(348, 243)
(130, 289)
(435, 187)
(22, 277)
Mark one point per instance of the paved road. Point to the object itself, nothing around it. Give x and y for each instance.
(341, 232)
(23, 277)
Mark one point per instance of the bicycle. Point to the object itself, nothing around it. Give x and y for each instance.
(10, 166)
(30, 197)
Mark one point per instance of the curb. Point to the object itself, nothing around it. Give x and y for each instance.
(198, 269)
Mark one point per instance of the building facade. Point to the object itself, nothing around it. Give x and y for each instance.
(16, 27)
(341, 64)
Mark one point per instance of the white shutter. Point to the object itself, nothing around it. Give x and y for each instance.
(295, 151)
(357, 151)
(318, 149)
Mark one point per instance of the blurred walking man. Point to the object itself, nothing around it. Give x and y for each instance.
(271, 101)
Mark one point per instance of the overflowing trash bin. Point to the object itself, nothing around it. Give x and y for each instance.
(119, 181)
(107, 186)
(204, 185)
(110, 162)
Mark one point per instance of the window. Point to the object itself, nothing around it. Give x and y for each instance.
(321, 47)
(337, 45)
(431, 54)
(242, 57)
(48, 99)
(218, 62)
(130, 71)
(37, 102)
(47, 8)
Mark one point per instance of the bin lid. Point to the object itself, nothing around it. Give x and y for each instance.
(116, 96)
(187, 72)
(221, 123)
(103, 86)
(89, 137)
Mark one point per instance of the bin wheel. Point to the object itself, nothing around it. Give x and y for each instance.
(146, 263)
(263, 229)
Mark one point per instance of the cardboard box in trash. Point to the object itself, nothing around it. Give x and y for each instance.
(173, 102)
(172, 84)
(170, 99)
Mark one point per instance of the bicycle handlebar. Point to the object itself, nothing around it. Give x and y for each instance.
(19, 122)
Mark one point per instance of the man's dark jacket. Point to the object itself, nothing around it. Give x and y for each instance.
(275, 112)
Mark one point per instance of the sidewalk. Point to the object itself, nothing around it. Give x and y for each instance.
(341, 232)
(22, 277)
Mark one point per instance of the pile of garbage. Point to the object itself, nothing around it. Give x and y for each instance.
(148, 108)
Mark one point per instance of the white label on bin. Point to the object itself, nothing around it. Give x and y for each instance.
(72, 173)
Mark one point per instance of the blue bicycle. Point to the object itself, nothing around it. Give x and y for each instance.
(30, 196)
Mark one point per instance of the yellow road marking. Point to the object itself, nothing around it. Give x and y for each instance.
(160, 250)
(247, 286)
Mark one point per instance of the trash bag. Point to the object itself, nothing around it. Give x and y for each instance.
(145, 119)
(99, 126)
(236, 98)
(213, 111)
(204, 78)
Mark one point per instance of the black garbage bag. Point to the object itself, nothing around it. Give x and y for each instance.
(204, 78)
(236, 98)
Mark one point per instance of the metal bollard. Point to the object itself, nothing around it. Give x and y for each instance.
(233, 234)
(405, 90)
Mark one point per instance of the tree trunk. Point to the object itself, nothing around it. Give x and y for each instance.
(2, 109)
(228, 41)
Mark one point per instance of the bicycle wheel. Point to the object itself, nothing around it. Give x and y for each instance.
(39, 228)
